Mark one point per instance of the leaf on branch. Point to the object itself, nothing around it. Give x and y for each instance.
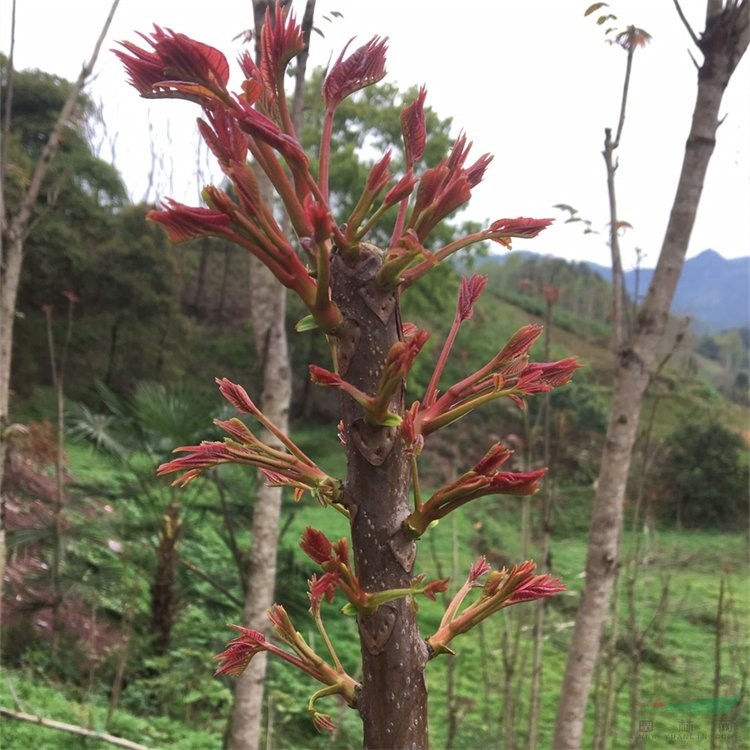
(594, 7)
(306, 324)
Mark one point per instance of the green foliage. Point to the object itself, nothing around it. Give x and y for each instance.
(127, 325)
(585, 297)
(77, 183)
(39, 696)
(727, 362)
(704, 476)
(80, 191)
(175, 702)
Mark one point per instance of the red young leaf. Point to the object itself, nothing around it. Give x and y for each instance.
(316, 545)
(365, 66)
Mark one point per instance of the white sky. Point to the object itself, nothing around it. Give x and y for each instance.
(531, 81)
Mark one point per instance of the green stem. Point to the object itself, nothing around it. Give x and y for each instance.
(327, 641)
(415, 484)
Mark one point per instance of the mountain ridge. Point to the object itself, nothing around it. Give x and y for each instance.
(713, 291)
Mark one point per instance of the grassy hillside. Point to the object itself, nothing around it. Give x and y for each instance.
(669, 609)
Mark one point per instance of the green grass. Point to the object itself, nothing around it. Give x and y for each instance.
(679, 666)
(31, 693)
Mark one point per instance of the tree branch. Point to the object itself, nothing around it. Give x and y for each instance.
(686, 23)
(70, 728)
(21, 220)
(298, 100)
(210, 579)
(625, 90)
(5, 137)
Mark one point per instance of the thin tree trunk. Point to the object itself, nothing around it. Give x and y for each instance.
(163, 593)
(544, 551)
(611, 663)
(717, 664)
(722, 44)
(268, 305)
(377, 492)
(619, 305)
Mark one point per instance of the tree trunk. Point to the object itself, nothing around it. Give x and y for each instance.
(267, 310)
(722, 44)
(544, 551)
(163, 589)
(393, 702)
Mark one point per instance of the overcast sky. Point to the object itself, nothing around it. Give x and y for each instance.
(531, 81)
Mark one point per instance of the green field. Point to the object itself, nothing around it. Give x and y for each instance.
(174, 702)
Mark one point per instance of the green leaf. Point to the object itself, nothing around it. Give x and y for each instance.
(306, 324)
(391, 420)
(593, 8)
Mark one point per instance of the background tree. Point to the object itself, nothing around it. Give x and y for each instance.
(722, 45)
(703, 477)
(16, 220)
(128, 282)
(267, 312)
(136, 432)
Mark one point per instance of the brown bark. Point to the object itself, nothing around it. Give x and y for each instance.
(163, 590)
(723, 44)
(13, 231)
(393, 701)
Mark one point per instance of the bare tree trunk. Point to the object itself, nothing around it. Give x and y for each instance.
(13, 231)
(268, 304)
(717, 664)
(163, 589)
(611, 662)
(551, 295)
(377, 488)
(630, 39)
(723, 43)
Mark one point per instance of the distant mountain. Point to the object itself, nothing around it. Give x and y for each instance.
(712, 290)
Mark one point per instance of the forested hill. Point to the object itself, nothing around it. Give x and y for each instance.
(713, 291)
